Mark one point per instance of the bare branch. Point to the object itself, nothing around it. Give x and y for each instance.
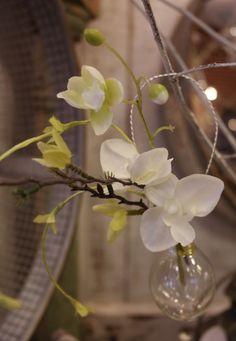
(111, 195)
(225, 43)
(228, 135)
(179, 93)
(207, 67)
(27, 181)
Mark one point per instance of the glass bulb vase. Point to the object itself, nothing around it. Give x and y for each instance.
(182, 282)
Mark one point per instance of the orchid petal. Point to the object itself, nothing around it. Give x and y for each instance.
(42, 162)
(73, 99)
(76, 84)
(119, 220)
(93, 97)
(158, 194)
(56, 159)
(108, 208)
(114, 91)
(45, 218)
(155, 233)
(151, 166)
(61, 144)
(89, 74)
(101, 120)
(75, 87)
(199, 193)
(45, 147)
(115, 157)
(49, 219)
(80, 308)
(180, 229)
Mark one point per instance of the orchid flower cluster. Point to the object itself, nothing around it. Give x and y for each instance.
(134, 183)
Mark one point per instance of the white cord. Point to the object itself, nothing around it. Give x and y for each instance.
(208, 102)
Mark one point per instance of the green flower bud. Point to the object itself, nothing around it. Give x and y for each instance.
(94, 37)
(158, 93)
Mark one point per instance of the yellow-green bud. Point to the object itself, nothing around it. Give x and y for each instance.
(94, 37)
(158, 93)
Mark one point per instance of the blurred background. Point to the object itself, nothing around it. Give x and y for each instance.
(41, 47)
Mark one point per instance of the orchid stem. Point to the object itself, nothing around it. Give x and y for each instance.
(122, 133)
(139, 100)
(169, 127)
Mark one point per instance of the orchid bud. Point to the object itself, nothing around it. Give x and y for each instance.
(158, 93)
(94, 37)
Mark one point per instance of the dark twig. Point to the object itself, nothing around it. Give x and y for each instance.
(27, 181)
(111, 195)
(82, 184)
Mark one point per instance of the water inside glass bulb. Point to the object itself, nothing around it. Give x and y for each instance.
(182, 282)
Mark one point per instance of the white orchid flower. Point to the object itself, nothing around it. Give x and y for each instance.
(92, 92)
(177, 203)
(122, 160)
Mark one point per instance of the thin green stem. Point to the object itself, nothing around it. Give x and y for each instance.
(45, 263)
(139, 101)
(63, 203)
(24, 144)
(83, 311)
(9, 302)
(75, 124)
(122, 133)
(158, 130)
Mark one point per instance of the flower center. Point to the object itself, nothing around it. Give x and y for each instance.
(172, 206)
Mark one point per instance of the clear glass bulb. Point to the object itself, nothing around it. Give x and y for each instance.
(182, 282)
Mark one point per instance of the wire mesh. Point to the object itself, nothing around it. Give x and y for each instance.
(35, 63)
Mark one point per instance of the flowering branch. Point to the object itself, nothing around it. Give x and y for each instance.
(166, 204)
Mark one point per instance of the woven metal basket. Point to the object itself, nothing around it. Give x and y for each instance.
(35, 62)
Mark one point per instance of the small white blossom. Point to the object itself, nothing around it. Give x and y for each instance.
(177, 203)
(92, 92)
(122, 159)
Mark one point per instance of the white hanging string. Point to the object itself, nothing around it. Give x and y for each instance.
(207, 102)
